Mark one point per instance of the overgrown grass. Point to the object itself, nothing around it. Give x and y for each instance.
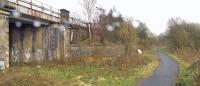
(188, 73)
(111, 71)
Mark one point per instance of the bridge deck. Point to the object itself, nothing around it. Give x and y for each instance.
(36, 9)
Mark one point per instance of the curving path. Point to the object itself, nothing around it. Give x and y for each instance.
(165, 74)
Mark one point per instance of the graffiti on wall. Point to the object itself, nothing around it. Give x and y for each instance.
(16, 55)
(27, 55)
(2, 65)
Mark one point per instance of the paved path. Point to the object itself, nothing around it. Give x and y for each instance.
(165, 74)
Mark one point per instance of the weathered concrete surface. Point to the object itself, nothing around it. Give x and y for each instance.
(4, 38)
(31, 44)
(166, 73)
(78, 35)
(26, 43)
(95, 51)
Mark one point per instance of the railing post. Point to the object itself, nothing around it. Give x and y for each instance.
(17, 2)
(51, 12)
(42, 9)
(58, 14)
(31, 3)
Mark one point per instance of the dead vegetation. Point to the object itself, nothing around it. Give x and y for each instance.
(82, 71)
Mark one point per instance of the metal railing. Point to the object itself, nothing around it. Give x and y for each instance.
(77, 22)
(41, 10)
(37, 9)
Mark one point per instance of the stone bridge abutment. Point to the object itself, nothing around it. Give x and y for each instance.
(22, 42)
(4, 39)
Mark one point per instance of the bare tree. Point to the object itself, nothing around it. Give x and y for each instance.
(89, 6)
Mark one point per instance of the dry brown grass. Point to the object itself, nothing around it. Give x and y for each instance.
(189, 75)
(130, 60)
(189, 55)
(116, 70)
(27, 79)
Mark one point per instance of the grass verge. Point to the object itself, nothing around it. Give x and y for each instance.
(94, 72)
(188, 73)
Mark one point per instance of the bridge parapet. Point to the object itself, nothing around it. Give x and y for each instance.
(40, 10)
(79, 22)
(36, 9)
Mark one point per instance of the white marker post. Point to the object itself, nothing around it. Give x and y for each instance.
(2, 66)
(139, 51)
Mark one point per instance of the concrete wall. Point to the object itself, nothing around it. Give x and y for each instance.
(46, 43)
(4, 38)
(95, 51)
(30, 44)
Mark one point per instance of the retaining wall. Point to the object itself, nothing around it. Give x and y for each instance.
(95, 51)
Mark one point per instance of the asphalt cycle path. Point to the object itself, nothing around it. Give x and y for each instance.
(165, 75)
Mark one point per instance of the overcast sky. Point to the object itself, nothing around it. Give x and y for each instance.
(155, 13)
